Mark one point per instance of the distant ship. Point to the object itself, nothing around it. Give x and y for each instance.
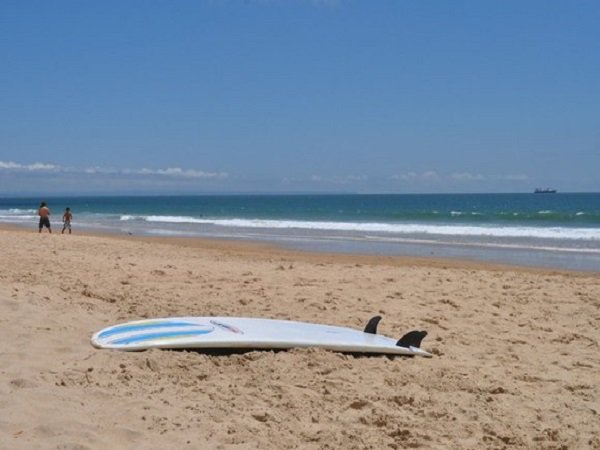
(544, 191)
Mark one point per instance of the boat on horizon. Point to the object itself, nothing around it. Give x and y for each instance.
(544, 191)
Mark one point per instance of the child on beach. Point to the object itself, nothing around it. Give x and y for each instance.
(67, 216)
(44, 213)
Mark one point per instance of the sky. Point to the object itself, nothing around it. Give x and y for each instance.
(285, 96)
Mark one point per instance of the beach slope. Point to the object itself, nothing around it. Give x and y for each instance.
(516, 351)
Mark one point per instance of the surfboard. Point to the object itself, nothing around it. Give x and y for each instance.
(221, 333)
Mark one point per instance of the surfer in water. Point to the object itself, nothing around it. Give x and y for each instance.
(67, 216)
(44, 213)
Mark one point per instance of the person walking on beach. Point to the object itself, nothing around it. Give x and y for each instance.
(67, 216)
(44, 213)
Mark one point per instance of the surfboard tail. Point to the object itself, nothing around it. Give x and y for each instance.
(412, 339)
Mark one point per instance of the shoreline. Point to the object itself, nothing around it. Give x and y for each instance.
(258, 247)
(507, 229)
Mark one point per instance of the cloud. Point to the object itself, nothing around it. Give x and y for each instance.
(466, 176)
(174, 172)
(339, 179)
(427, 176)
(515, 177)
(461, 177)
(29, 167)
(99, 170)
(179, 172)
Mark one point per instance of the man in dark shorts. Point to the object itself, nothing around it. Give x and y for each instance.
(67, 217)
(44, 213)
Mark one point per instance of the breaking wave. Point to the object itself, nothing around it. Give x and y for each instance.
(395, 228)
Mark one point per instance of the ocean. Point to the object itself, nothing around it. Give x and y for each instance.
(543, 230)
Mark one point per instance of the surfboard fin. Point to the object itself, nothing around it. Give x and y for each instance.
(371, 327)
(412, 339)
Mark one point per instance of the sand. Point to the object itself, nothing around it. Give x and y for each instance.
(516, 351)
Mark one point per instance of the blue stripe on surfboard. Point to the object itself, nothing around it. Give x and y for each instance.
(169, 335)
(146, 326)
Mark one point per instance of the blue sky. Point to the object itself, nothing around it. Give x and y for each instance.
(144, 96)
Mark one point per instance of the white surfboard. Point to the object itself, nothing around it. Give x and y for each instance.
(252, 333)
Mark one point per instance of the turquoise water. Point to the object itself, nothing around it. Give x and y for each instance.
(522, 228)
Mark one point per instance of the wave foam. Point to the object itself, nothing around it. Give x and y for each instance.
(396, 228)
(22, 211)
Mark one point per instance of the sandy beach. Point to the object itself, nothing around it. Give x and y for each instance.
(516, 351)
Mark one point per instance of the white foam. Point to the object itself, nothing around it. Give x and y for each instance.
(16, 218)
(16, 214)
(396, 228)
(176, 219)
(22, 211)
(594, 251)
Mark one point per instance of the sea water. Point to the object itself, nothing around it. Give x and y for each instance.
(546, 230)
